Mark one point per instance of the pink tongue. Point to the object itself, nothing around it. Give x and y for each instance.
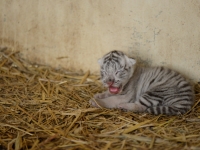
(114, 90)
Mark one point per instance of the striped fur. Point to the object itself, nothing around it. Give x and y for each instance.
(156, 90)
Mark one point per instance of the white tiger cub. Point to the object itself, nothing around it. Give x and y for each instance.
(154, 90)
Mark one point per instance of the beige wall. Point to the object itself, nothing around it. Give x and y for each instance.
(159, 32)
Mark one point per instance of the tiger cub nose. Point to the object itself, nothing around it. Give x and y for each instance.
(109, 83)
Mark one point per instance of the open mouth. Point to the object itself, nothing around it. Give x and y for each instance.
(114, 90)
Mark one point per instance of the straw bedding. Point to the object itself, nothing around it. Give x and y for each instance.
(42, 108)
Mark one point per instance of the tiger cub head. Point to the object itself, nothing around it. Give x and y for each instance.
(116, 69)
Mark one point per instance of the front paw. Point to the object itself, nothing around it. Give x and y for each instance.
(96, 96)
(99, 96)
(122, 107)
(132, 107)
(94, 103)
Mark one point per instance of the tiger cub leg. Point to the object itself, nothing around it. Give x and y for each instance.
(98, 98)
(134, 107)
(147, 100)
(176, 106)
(102, 95)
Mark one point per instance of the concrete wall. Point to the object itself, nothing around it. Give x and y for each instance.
(157, 32)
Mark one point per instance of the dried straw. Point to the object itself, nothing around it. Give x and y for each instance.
(47, 109)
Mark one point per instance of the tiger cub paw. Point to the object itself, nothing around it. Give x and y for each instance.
(100, 95)
(122, 107)
(93, 103)
(132, 107)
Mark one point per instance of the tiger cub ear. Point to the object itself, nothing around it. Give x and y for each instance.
(130, 61)
(100, 61)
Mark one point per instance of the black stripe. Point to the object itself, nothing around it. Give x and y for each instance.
(125, 68)
(168, 71)
(171, 77)
(161, 90)
(164, 110)
(179, 101)
(148, 100)
(106, 59)
(170, 109)
(152, 97)
(185, 105)
(189, 95)
(185, 91)
(158, 110)
(116, 52)
(151, 81)
(114, 57)
(157, 96)
(173, 99)
(151, 104)
(161, 69)
(180, 79)
(131, 99)
(115, 61)
(176, 96)
(184, 85)
(175, 109)
(111, 59)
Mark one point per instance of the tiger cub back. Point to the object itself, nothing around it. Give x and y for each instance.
(155, 90)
